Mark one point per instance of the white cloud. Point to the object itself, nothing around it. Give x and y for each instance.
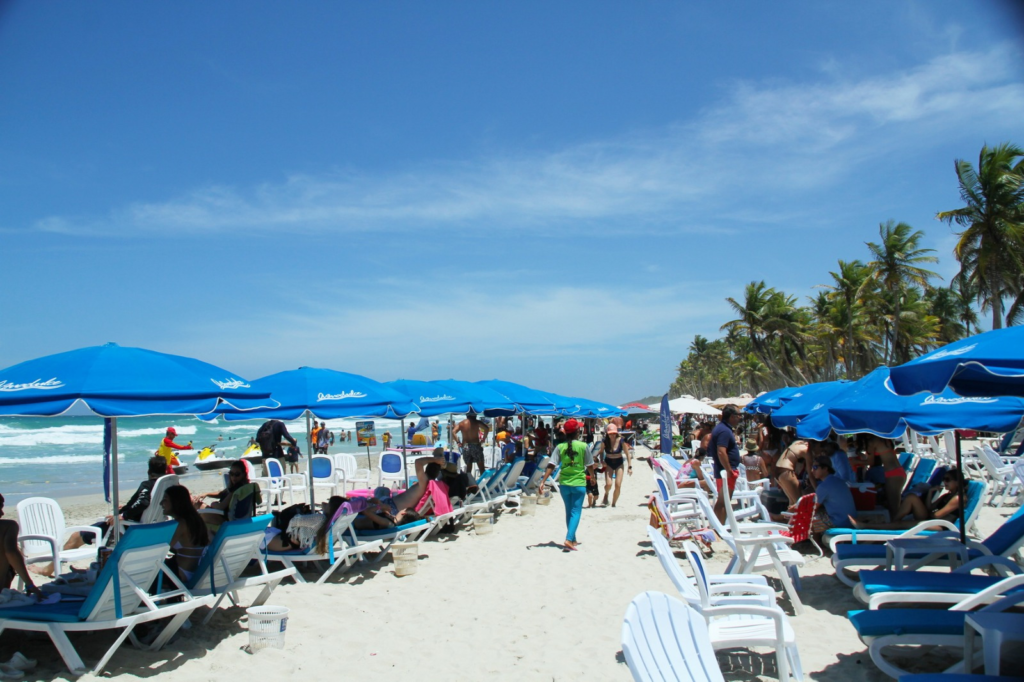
(771, 137)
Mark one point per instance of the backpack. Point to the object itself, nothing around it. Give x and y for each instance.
(265, 434)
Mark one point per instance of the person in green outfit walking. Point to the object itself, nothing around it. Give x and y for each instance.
(577, 462)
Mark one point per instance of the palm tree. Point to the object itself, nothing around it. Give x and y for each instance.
(849, 286)
(896, 266)
(964, 295)
(991, 247)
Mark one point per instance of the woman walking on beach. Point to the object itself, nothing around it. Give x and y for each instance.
(577, 462)
(618, 457)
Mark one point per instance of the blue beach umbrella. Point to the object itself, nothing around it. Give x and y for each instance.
(117, 381)
(525, 399)
(988, 364)
(871, 405)
(592, 409)
(772, 400)
(564, 405)
(325, 394)
(813, 397)
(451, 396)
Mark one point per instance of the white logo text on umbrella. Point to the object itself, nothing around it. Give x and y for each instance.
(230, 384)
(8, 387)
(320, 397)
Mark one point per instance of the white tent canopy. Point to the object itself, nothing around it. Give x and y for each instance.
(689, 405)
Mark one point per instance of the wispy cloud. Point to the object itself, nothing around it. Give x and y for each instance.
(771, 137)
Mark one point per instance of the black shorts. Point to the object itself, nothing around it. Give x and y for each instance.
(592, 486)
(614, 463)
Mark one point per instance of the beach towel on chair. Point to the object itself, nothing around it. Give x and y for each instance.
(437, 491)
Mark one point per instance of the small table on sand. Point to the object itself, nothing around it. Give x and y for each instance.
(995, 629)
(896, 551)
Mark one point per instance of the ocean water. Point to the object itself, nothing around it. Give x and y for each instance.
(63, 457)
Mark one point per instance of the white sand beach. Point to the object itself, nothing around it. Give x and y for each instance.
(510, 605)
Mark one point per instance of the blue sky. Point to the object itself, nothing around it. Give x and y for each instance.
(559, 194)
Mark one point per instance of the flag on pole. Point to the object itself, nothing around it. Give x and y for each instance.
(666, 426)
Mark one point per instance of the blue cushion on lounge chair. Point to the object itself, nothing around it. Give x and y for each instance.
(387, 532)
(875, 582)
(61, 612)
(1007, 535)
(907, 622)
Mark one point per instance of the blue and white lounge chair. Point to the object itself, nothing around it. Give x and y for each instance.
(995, 553)
(663, 639)
(873, 554)
(219, 572)
(974, 494)
(907, 627)
(119, 599)
(342, 552)
(383, 539)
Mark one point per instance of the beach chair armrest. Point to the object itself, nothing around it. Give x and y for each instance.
(1003, 566)
(773, 612)
(928, 525)
(755, 579)
(742, 588)
(40, 538)
(764, 540)
(762, 528)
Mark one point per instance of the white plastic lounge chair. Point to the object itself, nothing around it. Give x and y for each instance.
(1005, 541)
(529, 486)
(219, 572)
(118, 600)
(341, 552)
(408, 532)
(43, 533)
(906, 627)
(1000, 474)
(995, 554)
(722, 589)
(664, 640)
(349, 473)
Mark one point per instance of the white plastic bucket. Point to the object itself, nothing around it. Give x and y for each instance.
(528, 506)
(482, 523)
(266, 627)
(406, 556)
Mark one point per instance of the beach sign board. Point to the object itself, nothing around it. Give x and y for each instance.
(366, 435)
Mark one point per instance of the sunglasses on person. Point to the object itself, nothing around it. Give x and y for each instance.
(236, 474)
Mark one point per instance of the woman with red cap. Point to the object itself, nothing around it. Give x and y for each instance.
(167, 448)
(577, 462)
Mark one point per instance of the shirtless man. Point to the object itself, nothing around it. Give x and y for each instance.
(468, 435)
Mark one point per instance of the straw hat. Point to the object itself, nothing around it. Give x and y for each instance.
(750, 445)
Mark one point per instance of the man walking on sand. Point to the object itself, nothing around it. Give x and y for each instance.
(726, 454)
(472, 432)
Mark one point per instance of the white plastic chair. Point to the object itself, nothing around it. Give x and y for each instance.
(348, 472)
(44, 532)
(322, 472)
(390, 467)
(664, 639)
(154, 513)
(1000, 474)
(277, 483)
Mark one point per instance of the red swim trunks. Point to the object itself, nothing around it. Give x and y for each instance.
(732, 480)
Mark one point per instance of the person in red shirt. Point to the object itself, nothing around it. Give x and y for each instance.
(167, 448)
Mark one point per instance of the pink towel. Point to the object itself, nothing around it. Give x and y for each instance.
(438, 492)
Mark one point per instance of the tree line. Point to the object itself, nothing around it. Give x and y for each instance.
(886, 308)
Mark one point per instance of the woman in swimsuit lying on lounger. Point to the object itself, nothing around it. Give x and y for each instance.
(399, 509)
(944, 507)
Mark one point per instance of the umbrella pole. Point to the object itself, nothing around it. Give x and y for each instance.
(960, 489)
(114, 496)
(405, 465)
(309, 457)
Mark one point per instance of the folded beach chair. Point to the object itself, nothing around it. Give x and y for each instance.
(871, 553)
(663, 639)
(219, 572)
(342, 552)
(995, 553)
(899, 627)
(119, 599)
(800, 522)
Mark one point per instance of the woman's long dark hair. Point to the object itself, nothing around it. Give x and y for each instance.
(570, 451)
(333, 505)
(183, 511)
